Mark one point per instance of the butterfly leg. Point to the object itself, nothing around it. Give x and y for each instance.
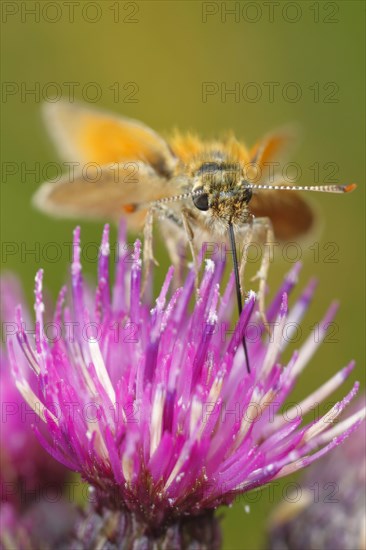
(173, 234)
(247, 239)
(148, 254)
(148, 237)
(180, 225)
(172, 229)
(190, 236)
(263, 232)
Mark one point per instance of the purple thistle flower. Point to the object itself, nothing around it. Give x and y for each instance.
(329, 510)
(154, 406)
(33, 513)
(26, 469)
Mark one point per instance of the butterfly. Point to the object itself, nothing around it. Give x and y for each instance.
(197, 191)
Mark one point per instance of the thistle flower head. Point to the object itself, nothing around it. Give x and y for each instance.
(32, 512)
(153, 404)
(334, 515)
(25, 467)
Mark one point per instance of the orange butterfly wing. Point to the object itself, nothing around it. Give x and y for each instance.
(120, 162)
(89, 135)
(291, 216)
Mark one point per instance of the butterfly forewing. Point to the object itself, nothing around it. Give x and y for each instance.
(91, 136)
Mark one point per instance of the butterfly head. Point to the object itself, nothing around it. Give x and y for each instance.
(220, 192)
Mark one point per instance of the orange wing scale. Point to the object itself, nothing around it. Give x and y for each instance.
(105, 142)
(270, 148)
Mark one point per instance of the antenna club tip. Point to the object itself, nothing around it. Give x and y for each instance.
(349, 188)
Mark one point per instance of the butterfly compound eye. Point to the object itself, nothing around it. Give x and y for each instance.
(201, 201)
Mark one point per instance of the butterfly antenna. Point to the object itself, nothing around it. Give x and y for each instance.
(318, 188)
(238, 293)
(176, 198)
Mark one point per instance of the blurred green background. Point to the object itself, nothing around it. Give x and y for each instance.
(168, 50)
